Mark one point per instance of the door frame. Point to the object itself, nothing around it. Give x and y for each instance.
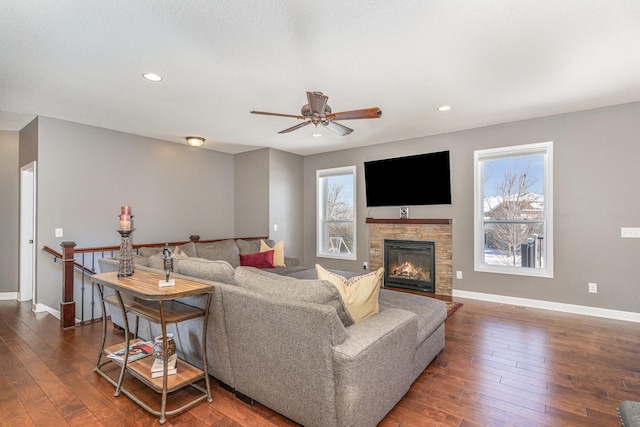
(28, 192)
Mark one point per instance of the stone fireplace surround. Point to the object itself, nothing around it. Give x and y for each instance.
(436, 230)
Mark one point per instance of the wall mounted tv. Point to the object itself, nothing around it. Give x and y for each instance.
(423, 179)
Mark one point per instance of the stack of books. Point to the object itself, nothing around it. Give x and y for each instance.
(158, 366)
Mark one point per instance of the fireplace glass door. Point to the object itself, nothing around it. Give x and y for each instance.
(409, 264)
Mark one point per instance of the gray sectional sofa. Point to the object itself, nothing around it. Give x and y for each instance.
(285, 340)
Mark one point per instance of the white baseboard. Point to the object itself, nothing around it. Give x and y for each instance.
(4, 296)
(548, 305)
(42, 308)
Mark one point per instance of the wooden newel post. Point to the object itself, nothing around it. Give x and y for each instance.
(67, 305)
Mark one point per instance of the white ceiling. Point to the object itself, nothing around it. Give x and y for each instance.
(493, 61)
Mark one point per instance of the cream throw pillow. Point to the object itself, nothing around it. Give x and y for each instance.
(178, 253)
(360, 293)
(278, 252)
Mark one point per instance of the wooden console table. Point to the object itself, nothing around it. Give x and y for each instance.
(140, 294)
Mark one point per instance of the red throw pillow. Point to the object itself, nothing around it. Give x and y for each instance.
(258, 259)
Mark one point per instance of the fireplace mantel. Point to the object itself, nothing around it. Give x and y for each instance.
(408, 221)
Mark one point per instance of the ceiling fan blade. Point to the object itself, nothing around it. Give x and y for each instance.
(317, 102)
(337, 128)
(298, 126)
(277, 114)
(365, 113)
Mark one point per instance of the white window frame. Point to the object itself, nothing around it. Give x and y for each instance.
(545, 149)
(321, 202)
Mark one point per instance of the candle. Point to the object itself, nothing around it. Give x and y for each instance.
(125, 210)
(125, 222)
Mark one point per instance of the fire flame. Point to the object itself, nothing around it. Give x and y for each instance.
(408, 270)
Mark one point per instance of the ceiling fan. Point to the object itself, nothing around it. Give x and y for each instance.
(319, 113)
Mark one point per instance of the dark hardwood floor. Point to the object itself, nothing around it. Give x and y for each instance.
(502, 366)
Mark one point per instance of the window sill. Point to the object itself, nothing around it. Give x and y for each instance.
(515, 271)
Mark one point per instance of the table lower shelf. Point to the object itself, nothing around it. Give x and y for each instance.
(149, 399)
(185, 382)
(141, 369)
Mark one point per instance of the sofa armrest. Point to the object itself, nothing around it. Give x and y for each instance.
(377, 355)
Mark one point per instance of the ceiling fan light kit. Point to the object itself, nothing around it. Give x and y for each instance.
(195, 141)
(319, 113)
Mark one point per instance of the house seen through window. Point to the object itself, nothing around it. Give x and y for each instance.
(513, 210)
(336, 227)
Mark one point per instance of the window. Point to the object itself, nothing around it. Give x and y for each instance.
(336, 226)
(513, 232)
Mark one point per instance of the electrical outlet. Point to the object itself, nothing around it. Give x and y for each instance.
(58, 232)
(275, 227)
(593, 288)
(458, 274)
(365, 265)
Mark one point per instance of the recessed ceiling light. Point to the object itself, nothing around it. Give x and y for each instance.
(444, 108)
(317, 134)
(152, 77)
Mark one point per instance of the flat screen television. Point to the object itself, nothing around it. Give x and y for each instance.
(422, 179)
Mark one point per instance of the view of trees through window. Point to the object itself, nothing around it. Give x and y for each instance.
(336, 228)
(514, 211)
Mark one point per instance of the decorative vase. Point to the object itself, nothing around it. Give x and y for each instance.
(158, 347)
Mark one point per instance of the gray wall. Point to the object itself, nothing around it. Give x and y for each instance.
(269, 191)
(595, 175)
(86, 173)
(252, 193)
(285, 200)
(29, 143)
(9, 220)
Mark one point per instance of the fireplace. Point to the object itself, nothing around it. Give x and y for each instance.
(410, 264)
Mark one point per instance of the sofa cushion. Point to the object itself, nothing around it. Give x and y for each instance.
(253, 245)
(157, 261)
(430, 312)
(314, 291)
(140, 260)
(248, 246)
(290, 271)
(137, 259)
(359, 293)
(218, 271)
(149, 251)
(278, 252)
(189, 249)
(258, 259)
(224, 250)
(178, 253)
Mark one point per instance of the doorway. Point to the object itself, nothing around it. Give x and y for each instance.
(28, 234)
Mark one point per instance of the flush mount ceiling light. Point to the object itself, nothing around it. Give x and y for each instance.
(195, 141)
(317, 135)
(444, 108)
(152, 77)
